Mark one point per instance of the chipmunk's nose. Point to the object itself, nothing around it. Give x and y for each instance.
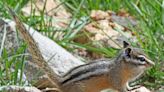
(151, 63)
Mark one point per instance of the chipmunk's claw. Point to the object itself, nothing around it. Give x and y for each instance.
(132, 88)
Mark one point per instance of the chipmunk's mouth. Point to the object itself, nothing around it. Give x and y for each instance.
(147, 65)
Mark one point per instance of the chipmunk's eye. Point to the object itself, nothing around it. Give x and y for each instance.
(141, 59)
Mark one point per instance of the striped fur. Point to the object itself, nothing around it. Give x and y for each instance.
(87, 71)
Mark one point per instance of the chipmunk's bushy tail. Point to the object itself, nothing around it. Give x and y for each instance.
(34, 50)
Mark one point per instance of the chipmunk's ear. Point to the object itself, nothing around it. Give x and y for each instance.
(125, 44)
(128, 51)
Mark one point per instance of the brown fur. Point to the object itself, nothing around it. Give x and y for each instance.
(97, 84)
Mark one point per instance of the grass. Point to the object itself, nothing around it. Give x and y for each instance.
(149, 13)
(8, 61)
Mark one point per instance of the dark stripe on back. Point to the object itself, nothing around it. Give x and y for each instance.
(73, 69)
(86, 78)
(83, 72)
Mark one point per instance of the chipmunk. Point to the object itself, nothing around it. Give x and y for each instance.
(114, 74)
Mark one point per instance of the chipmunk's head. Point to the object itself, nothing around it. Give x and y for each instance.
(135, 56)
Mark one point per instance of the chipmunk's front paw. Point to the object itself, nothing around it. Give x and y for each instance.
(132, 88)
(140, 89)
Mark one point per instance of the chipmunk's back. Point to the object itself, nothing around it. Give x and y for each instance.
(94, 84)
(92, 77)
